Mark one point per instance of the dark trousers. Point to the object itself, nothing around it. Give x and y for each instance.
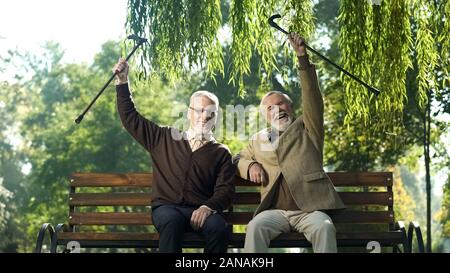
(172, 221)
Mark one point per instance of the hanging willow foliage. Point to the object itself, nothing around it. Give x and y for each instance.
(427, 55)
(203, 16)
(397, 60)
(354, 42)
(178, 31)
(242, 21)
(298, 15)
(375, 41)
(183, 34)
(445, 42)
(265, 46)
(301, 17)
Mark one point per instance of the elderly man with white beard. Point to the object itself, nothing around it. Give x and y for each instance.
(192, 172)
(287, 159)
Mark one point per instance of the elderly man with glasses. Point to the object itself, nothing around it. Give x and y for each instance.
(192, 172)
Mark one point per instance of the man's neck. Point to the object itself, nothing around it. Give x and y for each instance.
(192, 134)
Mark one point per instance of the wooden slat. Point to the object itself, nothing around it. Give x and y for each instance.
(247, 198)
(291, 236)
(239, 218)
(364, 217)
(191, 236)
(116, 236)
(128, 180)
(145, 179)
(242, 198)
(110, 199)
(349, 198)
(340, 179)
(367, 198)
(240, 182)
(110, 218)
(195, 240)
(348, 216)
(133, 218)
(111, 180)
(126, 218)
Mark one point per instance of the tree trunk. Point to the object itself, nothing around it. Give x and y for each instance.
(426, 148)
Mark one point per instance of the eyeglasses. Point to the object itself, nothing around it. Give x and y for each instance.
(200, 111)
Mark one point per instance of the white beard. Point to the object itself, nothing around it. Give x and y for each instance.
(281, 125)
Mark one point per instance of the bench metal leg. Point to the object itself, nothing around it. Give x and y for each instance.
(41, 235)
(414, 227)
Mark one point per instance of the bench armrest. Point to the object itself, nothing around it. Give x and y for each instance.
(59, 229)
(41, 235)
(400, 226)
(414, 227)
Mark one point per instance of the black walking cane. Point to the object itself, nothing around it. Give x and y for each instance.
(139, 42)
(370, 88)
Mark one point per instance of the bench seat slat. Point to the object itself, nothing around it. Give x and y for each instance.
(191, 236)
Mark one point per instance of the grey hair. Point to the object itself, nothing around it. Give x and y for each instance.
(204, 93)
(270, 93)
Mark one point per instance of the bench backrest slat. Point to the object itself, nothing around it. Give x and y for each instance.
(349, 198)
(242, 198)
(339, 179)
(111, 180)
(239, 218)
(109, 199)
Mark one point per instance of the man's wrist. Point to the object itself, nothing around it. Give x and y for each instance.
(120, 82)
(303, 55)
(251, 164)
(249, 167)
(208, 208)
(303, 62)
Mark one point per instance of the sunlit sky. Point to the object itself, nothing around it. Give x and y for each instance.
(81, 27)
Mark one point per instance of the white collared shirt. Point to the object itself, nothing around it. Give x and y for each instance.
(197, 141)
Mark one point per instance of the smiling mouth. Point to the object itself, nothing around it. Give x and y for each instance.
(282, 116)
(202, 124)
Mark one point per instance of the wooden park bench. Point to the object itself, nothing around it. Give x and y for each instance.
(109, 210)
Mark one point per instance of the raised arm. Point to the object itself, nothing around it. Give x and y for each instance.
(145, 132)
(312, 101)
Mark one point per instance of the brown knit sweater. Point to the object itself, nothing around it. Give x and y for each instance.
(180, 176)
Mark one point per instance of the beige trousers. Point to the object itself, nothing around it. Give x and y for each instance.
(317, 227)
